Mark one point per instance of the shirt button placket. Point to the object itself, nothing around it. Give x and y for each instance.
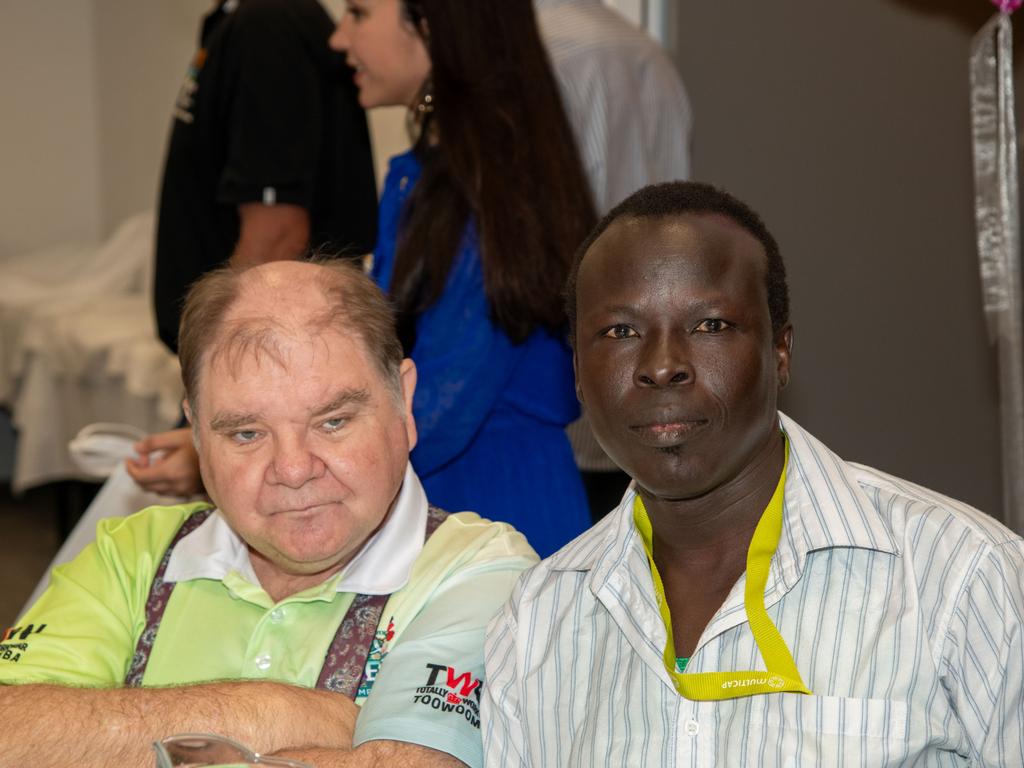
(687, 729)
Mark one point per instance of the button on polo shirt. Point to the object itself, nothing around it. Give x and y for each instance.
(250, 637)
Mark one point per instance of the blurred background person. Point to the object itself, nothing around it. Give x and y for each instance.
(478, 225)
(268, 152)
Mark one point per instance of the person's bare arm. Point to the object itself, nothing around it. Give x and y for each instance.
(395, 754)
(270, 233)
(175, 472)
(49, 726)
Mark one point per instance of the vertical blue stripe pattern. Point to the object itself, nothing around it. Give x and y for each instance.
(904, 611)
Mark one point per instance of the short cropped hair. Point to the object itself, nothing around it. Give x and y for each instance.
(675, 198)
(356, 306)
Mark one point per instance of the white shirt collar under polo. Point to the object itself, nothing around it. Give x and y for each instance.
(382, 566)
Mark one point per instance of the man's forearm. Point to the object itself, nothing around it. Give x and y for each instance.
(394, 754)
(49, 725)
(270, 233)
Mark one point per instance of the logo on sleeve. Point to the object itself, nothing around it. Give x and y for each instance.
(448, 690)
(14, 641)
(380, 646)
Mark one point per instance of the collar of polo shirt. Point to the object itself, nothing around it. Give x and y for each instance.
(381, 567)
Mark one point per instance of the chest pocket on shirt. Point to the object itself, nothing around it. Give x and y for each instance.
(829, 730)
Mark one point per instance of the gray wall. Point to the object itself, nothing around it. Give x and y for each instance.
(846, 125)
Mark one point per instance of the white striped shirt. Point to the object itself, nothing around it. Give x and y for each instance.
(625, 101)
(902, 608)
(629, 113)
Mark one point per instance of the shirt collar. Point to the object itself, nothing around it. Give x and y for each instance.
(825, 508)
(606, 547)
(381, 567)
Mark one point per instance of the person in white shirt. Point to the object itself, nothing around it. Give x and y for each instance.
(754, 599)
(632, 120)
(626, 102)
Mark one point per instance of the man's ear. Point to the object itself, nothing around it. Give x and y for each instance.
(188, 412)
(783, 354)
(407, 376)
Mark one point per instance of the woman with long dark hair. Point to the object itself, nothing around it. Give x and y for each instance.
(478, 224)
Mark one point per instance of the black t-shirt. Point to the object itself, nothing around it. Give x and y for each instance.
(267, 113)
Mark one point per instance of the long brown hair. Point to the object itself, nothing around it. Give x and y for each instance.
(505, 156)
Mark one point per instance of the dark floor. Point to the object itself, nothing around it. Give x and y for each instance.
(32, 528)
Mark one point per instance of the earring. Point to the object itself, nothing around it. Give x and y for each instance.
(419, 118)
(425, 105)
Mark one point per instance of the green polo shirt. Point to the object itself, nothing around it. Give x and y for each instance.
(428, 650)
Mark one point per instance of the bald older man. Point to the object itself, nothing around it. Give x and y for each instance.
(318, 565)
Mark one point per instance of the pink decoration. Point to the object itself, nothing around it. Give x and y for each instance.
(1008, 6)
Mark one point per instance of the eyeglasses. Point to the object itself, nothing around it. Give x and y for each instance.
(199, 749)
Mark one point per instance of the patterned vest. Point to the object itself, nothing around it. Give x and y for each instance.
(344, 667)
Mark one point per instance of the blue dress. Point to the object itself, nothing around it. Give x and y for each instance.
(490, 414)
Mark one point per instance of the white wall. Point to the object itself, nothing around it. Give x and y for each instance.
(86, 89)
(143, 50)
(656, 16)
(49, 130)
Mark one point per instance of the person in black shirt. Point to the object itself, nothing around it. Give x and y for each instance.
(269, 150)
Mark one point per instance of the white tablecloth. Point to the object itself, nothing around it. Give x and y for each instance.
(78, 345)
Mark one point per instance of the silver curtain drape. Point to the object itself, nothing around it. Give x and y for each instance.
(998, 223)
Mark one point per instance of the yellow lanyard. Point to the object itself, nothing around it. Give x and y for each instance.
(782, 674)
